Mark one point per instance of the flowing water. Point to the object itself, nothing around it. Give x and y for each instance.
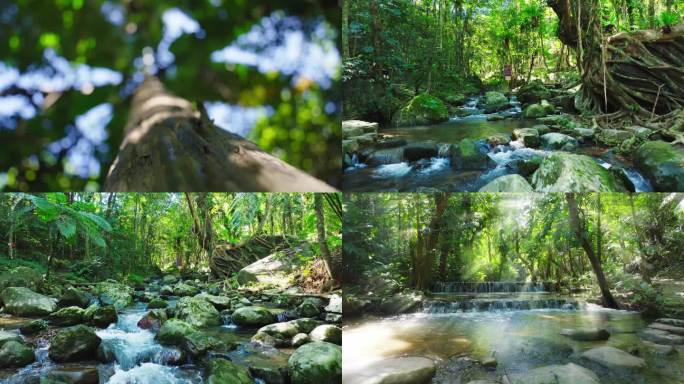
(395, 174)
(521, 331)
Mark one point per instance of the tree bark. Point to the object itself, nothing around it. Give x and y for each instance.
(426, 257)
(169, 146)
(579, 228)
(322, 242)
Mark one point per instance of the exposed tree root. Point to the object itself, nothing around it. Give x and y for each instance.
(229, 258)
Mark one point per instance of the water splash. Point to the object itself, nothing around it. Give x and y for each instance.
(393, 170)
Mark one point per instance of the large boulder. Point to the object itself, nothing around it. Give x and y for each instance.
(183, 289)
(74, 343)
(401, 303)
(116, 294)
(557, 374)
(614, 359)
(222, 371)
(528, 136)
(288, 329)
(662, 164)
(22, 301)
(74, 297)
(103, 316)
(157, 303)
(495, 101)
(586, 334)
(15, 354)
(398, 370)
(33, 327)
(6, 336)
(197, 312)
(422, 110)
(353, 128)
(466, 155)
(181, 334)
(565, 172)
(508, 183)
(253, 316)
(535, 111)
(327, 332)
(21, 277)
(555, 140)
(316, 362)
(219, 302)
(153, 320)
(310, 307)
(533, 92)
(67, 316)
(420, 150)
(661, 337)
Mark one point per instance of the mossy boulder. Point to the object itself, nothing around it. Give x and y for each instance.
(181, 334)
(508, 183)
(21, 277)
(533, 92)
(15, 354)
(528, 136)
(153, 320)
(565, 172)
(6, 336)
(535, 111)
(310, 307)
(183, 289)
(157, 303)
(466, 155)
(22, 301)
(453, 98)
(422, 110)
(316, 362)
(328, 333)
(74, 297)
(74, 343)
(197, 312)
(67, 316)
(555, 141)
(33, 327)
(253, 316)
(116, 294)
(102, 316)
(662, 164)
(495, 101)
(222, 371)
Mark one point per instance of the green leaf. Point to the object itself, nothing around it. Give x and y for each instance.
(66, 227)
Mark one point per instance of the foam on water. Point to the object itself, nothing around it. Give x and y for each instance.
(436, 164)
(393, 170)
(145, 373)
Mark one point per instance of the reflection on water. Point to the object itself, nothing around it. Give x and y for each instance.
(519, 340)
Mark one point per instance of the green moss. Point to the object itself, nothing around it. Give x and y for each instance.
(534, 111)
(662, 164)
(423, 109)
(564, 172)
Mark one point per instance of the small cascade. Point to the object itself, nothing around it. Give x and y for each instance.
(498, 305)
(489, 287)
(355, 163)
(392, 170)
(435, 164)
(638, 181)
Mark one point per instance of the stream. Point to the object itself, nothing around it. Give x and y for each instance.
(390, 172)
(520, 329)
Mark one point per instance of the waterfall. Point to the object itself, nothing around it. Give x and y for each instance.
(489, 287)
(441, 306)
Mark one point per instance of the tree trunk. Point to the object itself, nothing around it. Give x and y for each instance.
(636, 72)
(580, 231)
(168, 146)
(322, 242)
(426, 260)
(346, 4)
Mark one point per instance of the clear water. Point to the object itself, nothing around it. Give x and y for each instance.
(519, 340)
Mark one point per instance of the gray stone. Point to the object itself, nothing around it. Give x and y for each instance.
(614, 359)
(399, 370)
(557, 374)
(586, 334)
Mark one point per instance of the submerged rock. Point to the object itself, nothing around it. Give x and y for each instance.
(15, 354)
(21, 277)
(508, 183)
(557, 374)
(22, 301)
(662, 164)
(422, 110)
(222, 371)
(660, 350)
(253, 315)
(197, 312)
(614, 359)
(566, 172)
(399, 370)
(79, 374)
(74, 343)
(586, 334)
(316, 362)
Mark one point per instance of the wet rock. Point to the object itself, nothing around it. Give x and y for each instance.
(157, 303)
(565, 172)
(533, 92)
(197, 312)
(116, 294)
(499, 139)
(495, 117)
(219, 302)
(660, 350)
(668, 328)
(661, 337)
(327, 332)
(253, 315)
(353, 306)
(420, 150)
(586, 334)
(169, 279)
(662, 164)
(21, 277)
(182, 289)
(103, 316)
(614, 359)
(22, 301)
(222, 371)
(400, 370)
(508, 183)
(310, 307)
(495, 101)
(401, 303)
(528, 136)
(675, 322)
(283, 331)
(548, 107)
(6, 336)
(300, 339)
(67, 316)
(266, 340)
(350, 146)
(15, 354)
(33, 327)
(178, 333)
(542, 129)
(74, 375)
(423, 109)
(558, 141)
(153, 320)
(74, 343)
(316, 362)
(74, 297)
(557, 374)
(270, 374)
(526, 167)
(467, 155)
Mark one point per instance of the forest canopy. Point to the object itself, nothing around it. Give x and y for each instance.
(263, 70)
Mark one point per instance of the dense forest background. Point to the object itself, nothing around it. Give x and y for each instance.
(396, 49)
(130, 236)
(264, 70)
(600, 241)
